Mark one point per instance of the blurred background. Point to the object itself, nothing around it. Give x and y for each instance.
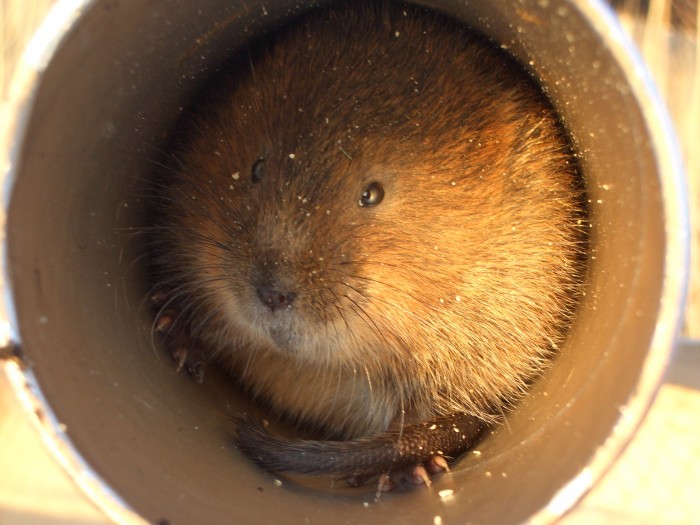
(657, 478)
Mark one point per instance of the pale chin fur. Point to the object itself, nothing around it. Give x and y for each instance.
(288, 332)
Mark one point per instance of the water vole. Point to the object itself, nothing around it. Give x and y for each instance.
(376, 224)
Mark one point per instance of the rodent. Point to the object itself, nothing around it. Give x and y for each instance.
(374, 222)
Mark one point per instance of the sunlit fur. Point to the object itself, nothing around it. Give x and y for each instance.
(450, 294)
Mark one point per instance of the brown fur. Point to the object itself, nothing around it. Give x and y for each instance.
(449, 295)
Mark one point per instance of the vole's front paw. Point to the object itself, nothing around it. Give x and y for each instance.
(182, 348)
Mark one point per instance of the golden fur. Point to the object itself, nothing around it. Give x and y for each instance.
(449, 295)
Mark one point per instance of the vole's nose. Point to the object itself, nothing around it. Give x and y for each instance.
(275, 299)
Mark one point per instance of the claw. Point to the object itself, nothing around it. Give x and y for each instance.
(163, 323)
(420, 476)
(437, 464)
(180, 357)
(384, 484)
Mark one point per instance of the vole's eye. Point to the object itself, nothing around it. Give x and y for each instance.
(372, 195)
(258, 171)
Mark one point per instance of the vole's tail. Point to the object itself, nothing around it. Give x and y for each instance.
(359, 460)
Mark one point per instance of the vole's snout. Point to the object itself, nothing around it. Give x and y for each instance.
(274, 291)
(274, 298)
